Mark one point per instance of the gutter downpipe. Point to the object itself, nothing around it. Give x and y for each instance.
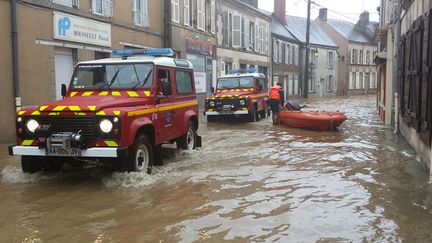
(396, 70)
(15, 55)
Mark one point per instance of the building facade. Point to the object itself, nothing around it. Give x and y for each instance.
(191, 33)
(323, 71)
(243, 37)
(72, 31)
(357, 72)
(404, 62)
(285, 53)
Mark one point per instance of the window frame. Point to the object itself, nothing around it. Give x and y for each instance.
(191, 81)
(143, 11)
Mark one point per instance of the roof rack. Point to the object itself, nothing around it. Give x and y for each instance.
(156, 52)
(243, 71)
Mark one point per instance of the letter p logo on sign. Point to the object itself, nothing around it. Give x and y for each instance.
(63, 25)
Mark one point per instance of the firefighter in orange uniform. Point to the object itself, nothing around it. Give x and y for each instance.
(276, 101)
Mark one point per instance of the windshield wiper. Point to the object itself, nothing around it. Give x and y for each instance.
(138, 79)
(145, 80)
(111, 81)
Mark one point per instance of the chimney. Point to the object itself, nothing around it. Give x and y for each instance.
(364, 19)
(279, 11)
(323, 14)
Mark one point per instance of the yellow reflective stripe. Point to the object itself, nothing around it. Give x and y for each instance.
(162, 108)
(59, 108)
(111, 143)
(42, 108)
(100, 113)
(27, 142)
(147, 93)
(21, 113)
(115, 93)
(74, 108)
(72, 94)
(92, 108)
(88, 93)
(103, 93)
(117, 113)
(36, 113)
(132, 94)
(80, 114)
(54, 114)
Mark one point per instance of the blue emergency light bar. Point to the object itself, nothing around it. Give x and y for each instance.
(242, 71)
(157, 52)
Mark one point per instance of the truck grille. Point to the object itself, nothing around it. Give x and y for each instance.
(220, 104)
(87, 125)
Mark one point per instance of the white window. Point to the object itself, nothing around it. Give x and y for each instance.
(265, 39)
(331, 84)
(359, 80)
(367, 57)
(354, 56)
(287, 54)
(68, 3)
(257, 37)
(213, 16)
(246, 34)
(102, 7)
(352, 82)
(140, 12)
(251, 36)
(187, 12)
(280, 52)
(201, 14)
(175, 11)
(262, 39)
(296, 85)
(236, 31)
(330, 59)
(360, 60)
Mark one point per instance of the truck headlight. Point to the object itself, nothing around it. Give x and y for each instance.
(106, 126)
(242, 102)
(32, 125)
(212, 103)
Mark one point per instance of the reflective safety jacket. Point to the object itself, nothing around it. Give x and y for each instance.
(275, 92)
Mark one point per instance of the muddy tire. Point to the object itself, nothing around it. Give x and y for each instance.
(188, 140)
(141, 156)
(253, 116)
(52, 165)
(263, 114)
(30, 164)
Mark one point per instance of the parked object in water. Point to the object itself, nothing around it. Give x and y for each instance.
(313, 120)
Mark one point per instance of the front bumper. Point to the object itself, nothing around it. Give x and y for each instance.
(86, 153)
(217, 113)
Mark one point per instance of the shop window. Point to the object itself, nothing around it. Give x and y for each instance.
(141, 13)
(102, 7)
(68, 3)
(175, 11)
(184, 82)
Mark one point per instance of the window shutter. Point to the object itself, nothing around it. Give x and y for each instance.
(256, 37)
(275, 51)
(246, 34)
(223, 71)
(236, 31)
(213, 16)
(201, 14)
(135, 11)
(107, 8)
(186, 14)
(145, 12)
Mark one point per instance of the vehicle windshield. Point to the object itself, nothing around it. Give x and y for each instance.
(235, 82)
(113, 76)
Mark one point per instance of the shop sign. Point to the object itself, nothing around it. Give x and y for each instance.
(200, 82)
(72, 28)
(200, 48)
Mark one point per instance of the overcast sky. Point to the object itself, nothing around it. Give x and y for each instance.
(348, 10)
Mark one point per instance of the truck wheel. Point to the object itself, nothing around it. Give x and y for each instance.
(30, 164)
(141, 157)
(52, 165)
(188, 140)
(263, 114)
(211, 118)
(253, 116)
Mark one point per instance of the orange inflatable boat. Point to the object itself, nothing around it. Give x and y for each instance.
(314, 120)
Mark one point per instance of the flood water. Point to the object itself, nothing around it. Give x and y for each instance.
(251, 182)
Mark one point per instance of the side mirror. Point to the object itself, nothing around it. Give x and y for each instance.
(212, 90)
(63, 90)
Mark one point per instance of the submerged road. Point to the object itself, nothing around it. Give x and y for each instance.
(251, 182)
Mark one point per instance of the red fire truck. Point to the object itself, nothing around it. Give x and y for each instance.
(240, 93)
(117, 110)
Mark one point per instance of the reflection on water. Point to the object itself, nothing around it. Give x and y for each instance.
(249, 182)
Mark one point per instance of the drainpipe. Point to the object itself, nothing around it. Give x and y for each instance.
(15, 55)
(167, 25)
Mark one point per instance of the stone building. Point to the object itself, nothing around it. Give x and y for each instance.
(357, 72)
